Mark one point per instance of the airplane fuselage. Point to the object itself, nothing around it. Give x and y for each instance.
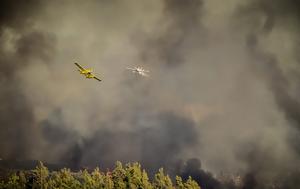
(87, 73)
(139, 71)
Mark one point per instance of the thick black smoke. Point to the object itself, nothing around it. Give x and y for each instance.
(156, 146)
(205, 179)
(264, 171)
(20, 45)
(18, 14)
(180, 29)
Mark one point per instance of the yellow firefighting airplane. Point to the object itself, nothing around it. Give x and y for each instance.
(86, 72)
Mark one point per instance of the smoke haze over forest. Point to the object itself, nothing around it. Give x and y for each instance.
(223, 89)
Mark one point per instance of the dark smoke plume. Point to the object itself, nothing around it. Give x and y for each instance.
(193, 168)
(264, 170)
(180, 29)
(19, 131)
(18, 14)
(155, 147)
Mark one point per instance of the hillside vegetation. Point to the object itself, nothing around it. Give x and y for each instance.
(128, 176)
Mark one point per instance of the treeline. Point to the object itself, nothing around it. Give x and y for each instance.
(130, 176)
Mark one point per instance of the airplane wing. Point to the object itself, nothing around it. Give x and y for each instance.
(80, 67)
(97, 78)
(130, 68)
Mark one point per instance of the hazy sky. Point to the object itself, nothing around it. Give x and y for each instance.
(224, 85)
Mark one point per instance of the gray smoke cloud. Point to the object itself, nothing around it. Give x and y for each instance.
(17, 120)
(278, 65)
(223, 89)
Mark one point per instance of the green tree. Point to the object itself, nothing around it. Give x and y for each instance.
(98, 178)
(145, 181)
(118, 176)
(108, 182)
(191, 184)
(179, 183)
(14, 182)
(136, 178)
(41, 174)
(22, 179)
(2, 185)
(63, 180)
(87, 180)
(162, 181)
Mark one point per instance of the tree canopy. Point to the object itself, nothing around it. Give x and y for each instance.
(129, 176)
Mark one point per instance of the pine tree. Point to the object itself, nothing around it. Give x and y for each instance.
(145, 181)
(13, 182)
(41, 174)
(135, 178)
(191, 184)
(162, 181)
(22, 179)
(179, 183)
(108, 182)
(2, 185)
(118, 176)
(63, 179)
(98, 178)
